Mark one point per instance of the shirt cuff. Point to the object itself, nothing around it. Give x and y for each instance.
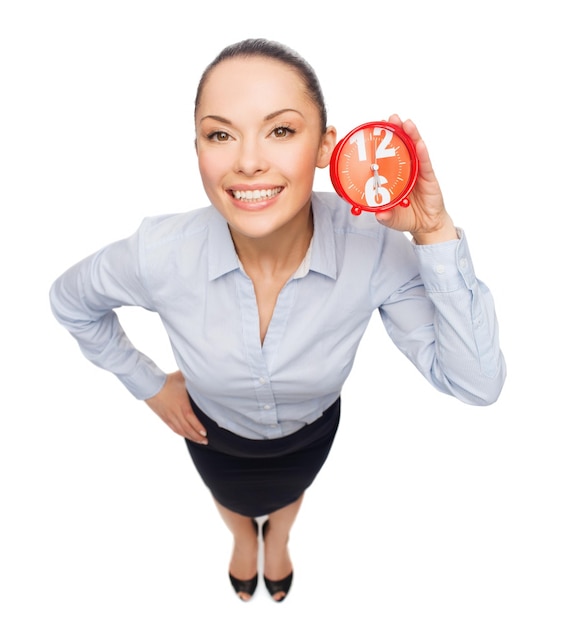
(147, 380)
(447, 266)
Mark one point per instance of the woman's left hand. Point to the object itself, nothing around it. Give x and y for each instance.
(426, 217)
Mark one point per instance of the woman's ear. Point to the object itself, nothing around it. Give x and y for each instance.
(326, 147)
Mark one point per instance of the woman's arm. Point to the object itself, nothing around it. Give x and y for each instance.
(444, 321)
(84, 300)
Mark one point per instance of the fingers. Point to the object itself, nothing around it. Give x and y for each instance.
(395, 119)
(426, 211)
(172, 405)
(186, 424)
(425, 166)
(407, 126)
(193, 429)
(189, 425)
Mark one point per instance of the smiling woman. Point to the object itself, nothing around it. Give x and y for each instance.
(257, 152)
(266, 293)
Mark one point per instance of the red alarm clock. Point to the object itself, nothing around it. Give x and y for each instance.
(374, 167)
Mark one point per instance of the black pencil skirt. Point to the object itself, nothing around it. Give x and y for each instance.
(255, 477)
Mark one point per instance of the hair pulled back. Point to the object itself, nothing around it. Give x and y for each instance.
(278, 52)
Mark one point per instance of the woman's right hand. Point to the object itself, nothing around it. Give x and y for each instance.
(172, 405)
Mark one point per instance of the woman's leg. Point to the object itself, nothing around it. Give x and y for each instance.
(277, 563)
(244, 562)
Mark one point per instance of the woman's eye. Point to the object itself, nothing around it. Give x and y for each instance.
(281, 132)
(218, 135)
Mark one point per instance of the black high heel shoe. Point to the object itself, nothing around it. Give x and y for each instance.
(277, 586)
(245, 586)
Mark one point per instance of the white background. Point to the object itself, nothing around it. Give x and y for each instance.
(428, 511)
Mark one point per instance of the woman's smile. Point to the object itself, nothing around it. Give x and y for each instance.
(255, 195)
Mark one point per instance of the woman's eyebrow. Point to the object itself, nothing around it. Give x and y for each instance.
(217, 118)
(270, 116)
(276, 113)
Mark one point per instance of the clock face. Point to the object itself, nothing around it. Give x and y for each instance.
(374, 167)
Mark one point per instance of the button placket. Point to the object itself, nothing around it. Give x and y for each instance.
(256, 360)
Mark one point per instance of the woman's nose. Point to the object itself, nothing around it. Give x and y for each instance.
(251, 159)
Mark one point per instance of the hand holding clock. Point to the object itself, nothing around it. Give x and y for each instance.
(384, 167)
(426, 217)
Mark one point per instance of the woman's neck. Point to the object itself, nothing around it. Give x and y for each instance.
(280, 252)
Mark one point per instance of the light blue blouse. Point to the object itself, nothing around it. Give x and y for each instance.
(185, 268)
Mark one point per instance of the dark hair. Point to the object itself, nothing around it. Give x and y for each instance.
(278, 52)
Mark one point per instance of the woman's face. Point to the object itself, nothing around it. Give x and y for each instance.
(258, 144)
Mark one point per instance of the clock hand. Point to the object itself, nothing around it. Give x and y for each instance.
(374, 167)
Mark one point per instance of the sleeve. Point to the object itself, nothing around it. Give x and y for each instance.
(444, 321)
(84, 300)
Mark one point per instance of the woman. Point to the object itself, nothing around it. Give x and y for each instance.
(266, 294)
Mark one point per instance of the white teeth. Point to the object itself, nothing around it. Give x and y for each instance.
(256, 194)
